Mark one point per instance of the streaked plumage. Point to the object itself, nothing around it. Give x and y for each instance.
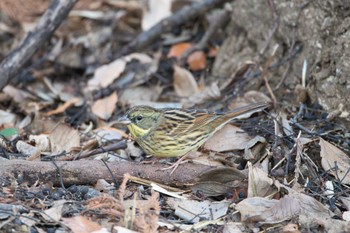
(174, 132)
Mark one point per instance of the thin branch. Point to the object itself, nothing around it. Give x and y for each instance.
(49, 22)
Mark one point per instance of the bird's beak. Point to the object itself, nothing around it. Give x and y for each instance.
(124, 120)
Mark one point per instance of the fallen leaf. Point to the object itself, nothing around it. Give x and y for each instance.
(184, 83)
(290, 228)
(193, 211)
(9, 133)
(55, 212)
(61, 108)
(136, 95)
(346, 216)
(259, 184)
(333, 157)
(104, 108)
(106, 74)
(80, 224)
(258, 209)
(178, 49)
(42, 141)
(219, 181)
(197, 60)
(30, 151)
(228, 138)
(157, 10)
(254, 148)
(63, 138)
(7, 118)
(18, 95)
(211, 92)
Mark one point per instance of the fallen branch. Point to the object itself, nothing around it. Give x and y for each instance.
(85, 172)
(52, 18)
(182, 16)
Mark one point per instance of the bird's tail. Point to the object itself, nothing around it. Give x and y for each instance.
(247, 110)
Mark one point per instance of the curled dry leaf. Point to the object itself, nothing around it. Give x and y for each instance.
(104, 108)
(64, 138)
(259, 184)
(333, 157)
(80, 224)
(31, 151)
(42, 141)
(193, 211)
(258, 209)
(254, 147)
(184, 83)
(228, 138)
(219, 181)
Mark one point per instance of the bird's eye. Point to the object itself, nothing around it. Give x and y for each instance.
(139, 117)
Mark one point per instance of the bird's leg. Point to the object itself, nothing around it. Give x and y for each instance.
(177, 163)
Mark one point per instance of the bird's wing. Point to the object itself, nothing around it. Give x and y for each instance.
(184, 122)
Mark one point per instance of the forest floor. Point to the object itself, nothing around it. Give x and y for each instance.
(68, 164)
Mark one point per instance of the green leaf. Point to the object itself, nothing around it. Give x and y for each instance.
(9, 132)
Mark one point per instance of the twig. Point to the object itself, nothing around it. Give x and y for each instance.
(264, 74)
(49, 22)
(274, 27)
(182, 16)
(86, 154)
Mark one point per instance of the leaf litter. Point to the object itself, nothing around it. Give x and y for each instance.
(259, 173)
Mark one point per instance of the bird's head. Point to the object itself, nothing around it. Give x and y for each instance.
(140, 120)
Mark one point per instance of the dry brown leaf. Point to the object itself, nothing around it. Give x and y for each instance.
(80, 224)
(42, 141)
(157, 10)
(18, 95)
(55, 212)
(64, 138)
(193, 211)
(228, 138)
(256, 96)
(259, 184)
(333, 157)
(104, 108)
(184, 83)
(138, 95)
(31, 151)
(258, 209)
(218, 181)
(197, 60)
(106, 74)
(178, 49)
(291, 228)
(254, 148)
(61, 108)
(208, 93)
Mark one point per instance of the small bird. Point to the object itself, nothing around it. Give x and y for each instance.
(171, 132)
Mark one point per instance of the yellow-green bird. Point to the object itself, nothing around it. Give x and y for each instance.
(172, 132)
